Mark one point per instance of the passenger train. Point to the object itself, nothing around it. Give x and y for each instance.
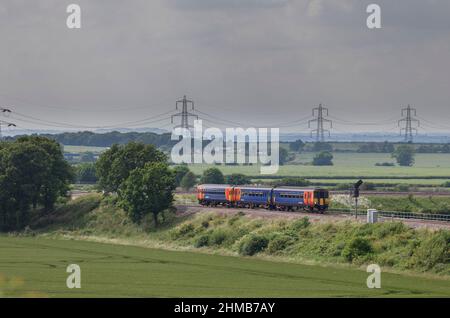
(271, 198)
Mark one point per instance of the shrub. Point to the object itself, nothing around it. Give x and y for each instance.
(300, 224)
(253, 244)
(279, 243)
(186, 229)
(202, 241)
(385, 164)
(357, 247)
(433, 251)
(218, 236)
(389, 228)
(323, 158)
(293, 182)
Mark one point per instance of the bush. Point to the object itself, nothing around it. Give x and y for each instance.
(253, 244)
(218, 237)
(385, 164)
(185, 229)
(433, 251)
(279, 243)
(202, 241)
(356, 248)
(300, 224)
(293, 182)
(238, 179)
(323, 158)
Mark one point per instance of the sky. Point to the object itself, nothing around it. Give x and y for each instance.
(263, 63)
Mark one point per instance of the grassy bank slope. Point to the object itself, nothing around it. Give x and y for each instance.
(37, 266)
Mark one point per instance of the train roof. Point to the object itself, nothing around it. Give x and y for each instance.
(250, 187)
(254, 188)
(220, 186)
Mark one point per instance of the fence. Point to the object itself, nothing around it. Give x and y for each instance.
(398, 215)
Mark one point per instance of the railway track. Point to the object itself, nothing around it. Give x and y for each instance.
(394, 215)
(378, 193)
(393, 193)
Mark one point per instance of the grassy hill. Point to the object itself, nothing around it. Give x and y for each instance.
(218, 255)
(37, 267)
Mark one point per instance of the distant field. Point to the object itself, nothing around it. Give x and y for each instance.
(352, 165)
(37, 267)
(80, 149)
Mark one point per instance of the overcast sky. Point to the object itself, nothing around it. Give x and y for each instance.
(256, 62)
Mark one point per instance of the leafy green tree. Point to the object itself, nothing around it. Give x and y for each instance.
(87, 156)
(32, 171)
(188, 180)
(297, 145)
(283, 156)
(404, 155)
(85, 173)
(322, 146)
(180, 171)
(60, 173)
(323, 158)
(238, 179)
(147, 190)
(213, 176)
(114, 165)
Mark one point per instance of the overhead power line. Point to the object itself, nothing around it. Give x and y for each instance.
(409, 119)
(319, 112)
(184, 114)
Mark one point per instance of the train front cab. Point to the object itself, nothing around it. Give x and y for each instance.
(321, 199)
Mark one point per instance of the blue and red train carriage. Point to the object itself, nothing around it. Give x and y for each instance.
(284, 199)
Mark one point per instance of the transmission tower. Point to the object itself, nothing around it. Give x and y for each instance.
(184, 114)
(8, 124)
(408, 119)
(318, 112)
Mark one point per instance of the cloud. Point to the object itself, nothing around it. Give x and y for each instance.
(268, 60)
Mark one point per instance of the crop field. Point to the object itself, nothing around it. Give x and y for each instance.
(37, 267)
(352, 165)
(81, 149)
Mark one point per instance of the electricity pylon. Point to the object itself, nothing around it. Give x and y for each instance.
(409, 119)
(184, 113)
(319, 131)
(8, 124)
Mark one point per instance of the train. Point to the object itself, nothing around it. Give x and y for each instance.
(271, 198)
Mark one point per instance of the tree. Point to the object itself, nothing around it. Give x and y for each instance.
(87, 156)
(322, 146)
(238, 179)
(59, 175)
(404, 155)
(323, 158)
(115, 165)
(180, 171)
(188, 181)
(213, 176)
(85, 173)
(147, 190)
(297, 145)
(32, 171)
(284, 156)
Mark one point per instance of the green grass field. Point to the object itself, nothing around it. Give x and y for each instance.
(37, 267)
(352, 165)
(81, 149)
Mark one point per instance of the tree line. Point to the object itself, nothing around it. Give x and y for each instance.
(33, 175)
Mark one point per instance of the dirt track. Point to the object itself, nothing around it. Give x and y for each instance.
(193, 209)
